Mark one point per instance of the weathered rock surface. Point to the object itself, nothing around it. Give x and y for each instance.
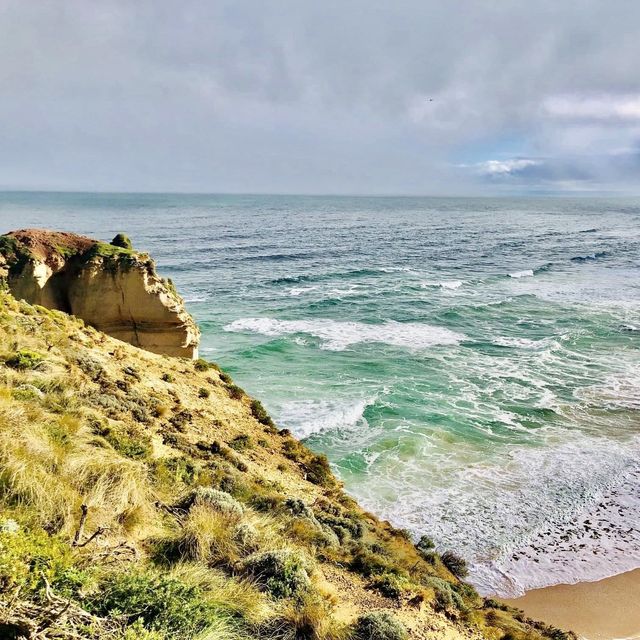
(112, 288)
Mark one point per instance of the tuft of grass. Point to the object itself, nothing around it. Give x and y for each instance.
(24, 359)
(203, 392)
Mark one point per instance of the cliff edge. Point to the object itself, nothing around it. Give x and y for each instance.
(110, 286)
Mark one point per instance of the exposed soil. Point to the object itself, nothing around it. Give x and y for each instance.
(45, 244)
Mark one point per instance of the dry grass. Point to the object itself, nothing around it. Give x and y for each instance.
(72, 434)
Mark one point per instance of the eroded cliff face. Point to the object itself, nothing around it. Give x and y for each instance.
(114, 289)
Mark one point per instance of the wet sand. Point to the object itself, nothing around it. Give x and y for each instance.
(602, 610)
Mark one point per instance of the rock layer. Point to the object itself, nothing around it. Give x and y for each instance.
(114, 289)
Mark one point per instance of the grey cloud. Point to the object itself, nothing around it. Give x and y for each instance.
(293, 95)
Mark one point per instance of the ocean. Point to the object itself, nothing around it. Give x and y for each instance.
(470, 366)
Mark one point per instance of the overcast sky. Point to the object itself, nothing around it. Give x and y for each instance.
(296, 96)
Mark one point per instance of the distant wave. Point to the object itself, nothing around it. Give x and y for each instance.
(338, 336)
(352, 273)
(444, 284)
(296, 291)
(522, 274)
(589, 258)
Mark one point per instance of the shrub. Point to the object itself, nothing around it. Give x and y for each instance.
(137, 447)
(26, 556)
(379, 625)
(390, 585)
(367, 563)
(160, 603)
(167, 377)
(282, 573)
(455, 564)
(235, 392)
(260, 413)
(213, 498)
(425, 544)
(201, 365)
(203, 393)
(24, 359)
(241, 442)
(122, 240)
(225, 377)
(319, 471)
(446, 598)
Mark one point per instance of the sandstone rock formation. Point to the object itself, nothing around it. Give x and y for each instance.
(112, 288)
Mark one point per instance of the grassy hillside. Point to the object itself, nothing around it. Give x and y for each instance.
(143, 496)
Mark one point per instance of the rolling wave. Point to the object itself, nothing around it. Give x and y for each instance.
(338, 336)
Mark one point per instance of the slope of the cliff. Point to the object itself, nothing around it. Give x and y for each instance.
(145, 496)
(110, 286)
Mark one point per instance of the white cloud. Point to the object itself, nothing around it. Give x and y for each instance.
(491, 168)
(606, 107)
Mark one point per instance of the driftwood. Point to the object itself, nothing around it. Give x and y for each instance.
(55, 618)
(80, 530)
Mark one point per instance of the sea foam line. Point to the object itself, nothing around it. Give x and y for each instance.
(338, 336)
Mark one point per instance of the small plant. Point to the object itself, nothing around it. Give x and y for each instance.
(390, 585)
(282, 573)
(379, 625)
(455, 564)
(241, 442)
(260, 413)
(132, 372)
(319, 471)
(24, 359)
(235, 392)
(213, 498)
(167, 377)
(203, 392)
(446, 598)
(226, 378)
(122, 240)
(201, 365)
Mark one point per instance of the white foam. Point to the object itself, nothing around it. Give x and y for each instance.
(306, 417)
(530, 517)
(444, 284)
(526, 273)
(338, 336)
(525, 343)
(195, 298)
(297, 291)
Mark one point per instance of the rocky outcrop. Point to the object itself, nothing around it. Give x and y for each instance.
(112, 288)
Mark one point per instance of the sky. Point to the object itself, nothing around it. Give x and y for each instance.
(446, 97)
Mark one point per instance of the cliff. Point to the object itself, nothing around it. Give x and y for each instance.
(149, 498)
(112, 288)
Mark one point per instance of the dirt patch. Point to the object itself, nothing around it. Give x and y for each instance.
(47, 245)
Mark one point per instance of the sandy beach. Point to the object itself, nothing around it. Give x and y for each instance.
(602, 610)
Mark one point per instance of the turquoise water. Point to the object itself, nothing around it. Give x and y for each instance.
(470, 366)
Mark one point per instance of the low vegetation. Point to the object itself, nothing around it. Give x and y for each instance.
(135, 506)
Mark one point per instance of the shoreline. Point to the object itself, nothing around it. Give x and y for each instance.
(607, 609)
